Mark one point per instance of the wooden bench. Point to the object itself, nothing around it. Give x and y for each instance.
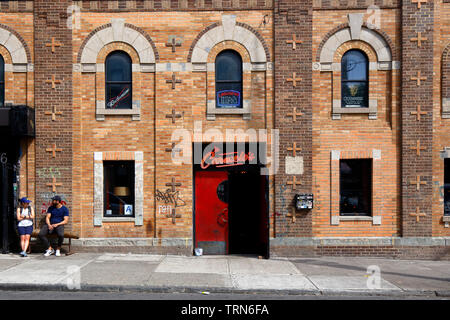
(67, 235)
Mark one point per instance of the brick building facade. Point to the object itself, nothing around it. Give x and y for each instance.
(296, 103)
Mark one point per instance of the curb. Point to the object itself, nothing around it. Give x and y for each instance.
(222, 290)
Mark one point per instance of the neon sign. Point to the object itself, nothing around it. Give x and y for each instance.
(115, 101)
(229, 159)
(228, 98)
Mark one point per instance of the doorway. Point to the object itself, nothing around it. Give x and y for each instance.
(9, 170)
(231, 212)
(247, 213)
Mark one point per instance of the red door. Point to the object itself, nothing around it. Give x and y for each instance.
(211, 211)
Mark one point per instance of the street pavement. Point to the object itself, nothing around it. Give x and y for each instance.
(225, 275)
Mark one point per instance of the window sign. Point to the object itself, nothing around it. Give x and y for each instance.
(228, 98)
(118, 81)
(229, 80)
(354, 82)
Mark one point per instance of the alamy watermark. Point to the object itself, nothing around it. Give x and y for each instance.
(73, 281)
(373, 275)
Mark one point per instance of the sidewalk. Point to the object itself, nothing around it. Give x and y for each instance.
(225, 274)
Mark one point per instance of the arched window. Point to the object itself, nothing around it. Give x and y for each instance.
(2, 82)
(355, 79)
(229, 80)
(118, 81)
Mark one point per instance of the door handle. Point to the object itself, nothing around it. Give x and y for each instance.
(221, 220)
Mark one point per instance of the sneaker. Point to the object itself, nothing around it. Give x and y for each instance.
(49, 252)
(24, 254)
(58, 253)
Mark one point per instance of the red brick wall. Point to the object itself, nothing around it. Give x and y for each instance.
(50, 22)
(152, 133)
(441, 133)
(355, 135)
(415, 59)
(293, 18)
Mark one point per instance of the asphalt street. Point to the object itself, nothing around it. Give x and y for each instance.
(63, 295)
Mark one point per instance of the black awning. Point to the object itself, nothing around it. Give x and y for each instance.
(17, 121)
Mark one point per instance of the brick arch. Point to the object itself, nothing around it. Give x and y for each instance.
(15, 44)
(118, 31)
(378, 40)
(445, 76)
(229, 29)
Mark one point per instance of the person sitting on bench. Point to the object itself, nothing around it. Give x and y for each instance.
(57, 217)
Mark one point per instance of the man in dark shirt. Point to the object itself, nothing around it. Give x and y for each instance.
(57, 217)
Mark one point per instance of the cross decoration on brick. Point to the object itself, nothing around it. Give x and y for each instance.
(292, 215)
(173, 150)
(53, 44)
(174, 81)
(173, 185)
(294, 42)
(418, 214)
(174, 43)
(418, 182)
(53, 82)
(294, 149)
(174, 115)
(419, 3)
(53, 150)
(173, 215)
(294, 114)
(418, 113)
(294, 79)
(418, 148)
(54, 113)
(54, 184)
(418, 78)
(294, 183)
(419, 39)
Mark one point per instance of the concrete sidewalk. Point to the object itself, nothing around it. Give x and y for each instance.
(225, 274)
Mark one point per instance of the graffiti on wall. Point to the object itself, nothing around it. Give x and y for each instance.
(170, 199)
(50, 172)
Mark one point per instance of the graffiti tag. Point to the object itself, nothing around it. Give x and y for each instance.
(170, 197)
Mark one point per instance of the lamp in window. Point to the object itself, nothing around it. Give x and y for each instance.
(121, 191)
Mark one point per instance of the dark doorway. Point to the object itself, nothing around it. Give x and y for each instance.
(247, 213)
(9, 170)
(231, 199)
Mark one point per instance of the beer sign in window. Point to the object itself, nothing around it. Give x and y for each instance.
(354, 82)
(229, 80)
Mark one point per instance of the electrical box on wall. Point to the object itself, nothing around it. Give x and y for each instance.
(304, 201)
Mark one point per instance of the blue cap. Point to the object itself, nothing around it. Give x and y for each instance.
(57, 198)
(24, 200)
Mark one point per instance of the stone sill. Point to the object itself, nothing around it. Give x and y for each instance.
(355, 218)
(338, 110)
(118, 219)
(212, 111)
(101, 111)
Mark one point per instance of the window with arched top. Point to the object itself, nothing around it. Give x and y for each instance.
(355, 79)
(118, 80)
(2, 82)
(229, 79)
